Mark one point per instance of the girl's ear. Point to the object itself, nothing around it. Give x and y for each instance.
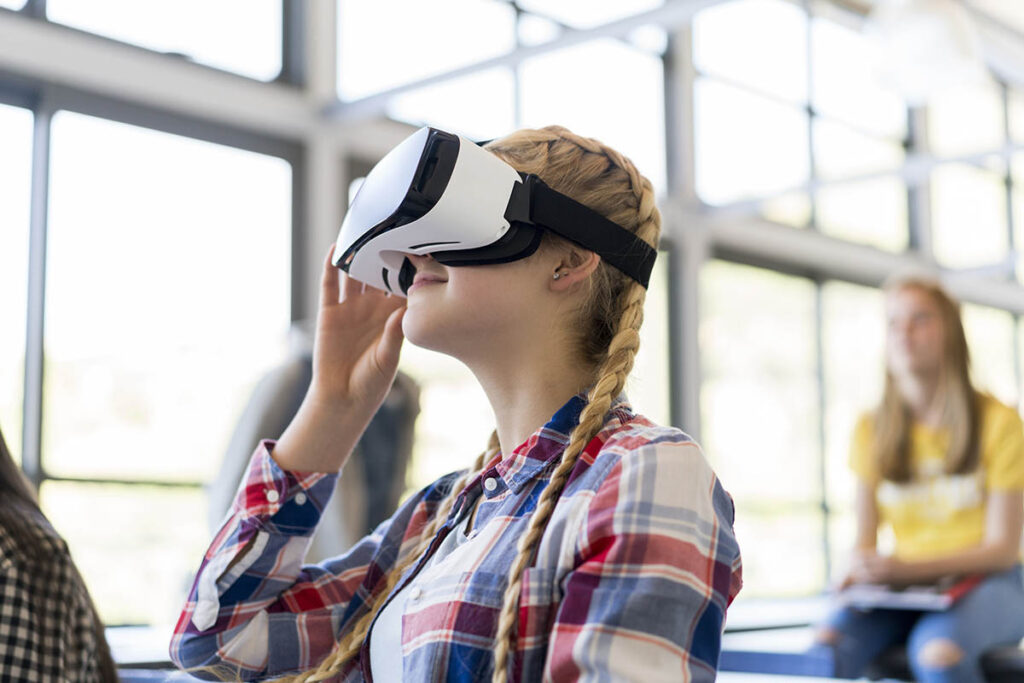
(575, 266)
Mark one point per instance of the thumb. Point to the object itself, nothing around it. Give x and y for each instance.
(390, 345)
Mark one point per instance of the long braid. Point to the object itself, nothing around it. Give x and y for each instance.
(612, 373)
(350, 644)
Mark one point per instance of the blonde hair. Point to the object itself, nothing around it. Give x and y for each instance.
(960, 407)
(608, 338)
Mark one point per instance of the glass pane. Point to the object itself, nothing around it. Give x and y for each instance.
(137, 547)
(648, 384)
(13, 4)
(853, 335)
(480, 106)
(746, 146)
(991, 342)
(1017, 169)
(792, 208)
(376, 52)
(872, 212)
(757, 43)
(966, 120)
(759, 401)
(168, 295)
(968, 216)
(582, 103)
(842, 528)
(535, 30)
(1016, 115)
(587, 13)
(845, 83)
(15, 186)
(242, 36)
(769, 573)
(455, 419)
(841, 152)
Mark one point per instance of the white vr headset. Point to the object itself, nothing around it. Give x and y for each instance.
(440, 194)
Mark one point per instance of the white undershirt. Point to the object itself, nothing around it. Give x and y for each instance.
(386, 635)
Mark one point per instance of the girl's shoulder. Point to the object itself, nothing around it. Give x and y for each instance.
(634, 441)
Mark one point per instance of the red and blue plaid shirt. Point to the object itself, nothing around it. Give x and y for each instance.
(631, 579)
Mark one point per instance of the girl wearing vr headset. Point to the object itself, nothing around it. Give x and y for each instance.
(585, 542)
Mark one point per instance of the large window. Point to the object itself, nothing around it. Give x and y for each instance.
(243, 36)
(784, 100)
(761, 416)
(15, 176)
(383, 44)
(168, 285)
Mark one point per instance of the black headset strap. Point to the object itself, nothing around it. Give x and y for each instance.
(539, 204)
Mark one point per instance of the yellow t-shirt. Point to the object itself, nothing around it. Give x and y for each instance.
(938, 513)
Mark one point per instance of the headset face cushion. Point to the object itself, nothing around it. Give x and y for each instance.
(518, 242)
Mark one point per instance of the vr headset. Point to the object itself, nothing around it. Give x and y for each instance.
(440, 194)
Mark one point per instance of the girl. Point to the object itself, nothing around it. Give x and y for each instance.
(49, 629)
(584, 542)
(943, 465)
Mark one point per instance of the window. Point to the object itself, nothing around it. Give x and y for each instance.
(990, 338)
(969, 217)
(376, 52)
(760, 415)
(480, 106)
(845, 84)
(168, 288)
(15, 177)
(13, 4)
(747, 146)
(853, 346)
(616, 95)
(966, 120)
(759, 44)
(587, 13)
(242, 36)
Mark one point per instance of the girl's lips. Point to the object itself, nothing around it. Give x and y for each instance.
(422, 283)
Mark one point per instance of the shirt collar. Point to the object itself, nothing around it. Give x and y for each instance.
(545, 445)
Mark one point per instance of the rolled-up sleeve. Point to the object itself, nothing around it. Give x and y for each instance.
(657, 566)
(252, 587)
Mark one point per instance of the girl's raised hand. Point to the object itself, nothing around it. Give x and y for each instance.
(358, 340)
(355, 358)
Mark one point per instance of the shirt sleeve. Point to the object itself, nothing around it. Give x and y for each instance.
(252, 587)
(1003, 453)
(657, 566)
(862, 451)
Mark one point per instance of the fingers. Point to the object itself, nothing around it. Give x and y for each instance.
(329, 281)
(390, 345)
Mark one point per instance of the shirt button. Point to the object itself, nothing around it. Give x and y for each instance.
(272, 495)
(300, 498)
(415, 593)
(490, 483)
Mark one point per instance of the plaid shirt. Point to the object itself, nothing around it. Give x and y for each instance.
(631, 579)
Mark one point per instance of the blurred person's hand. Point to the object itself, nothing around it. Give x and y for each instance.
(867, 566)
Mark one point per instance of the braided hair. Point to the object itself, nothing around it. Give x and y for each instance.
(606, 181)
(607, 337)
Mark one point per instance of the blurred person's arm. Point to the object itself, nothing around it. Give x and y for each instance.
(999, 551)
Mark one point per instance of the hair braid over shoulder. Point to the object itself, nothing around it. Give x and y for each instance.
(606, 181)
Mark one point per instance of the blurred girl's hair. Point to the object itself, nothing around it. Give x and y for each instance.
(960, 401)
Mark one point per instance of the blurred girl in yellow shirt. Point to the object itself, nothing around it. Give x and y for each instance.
(942, 465)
